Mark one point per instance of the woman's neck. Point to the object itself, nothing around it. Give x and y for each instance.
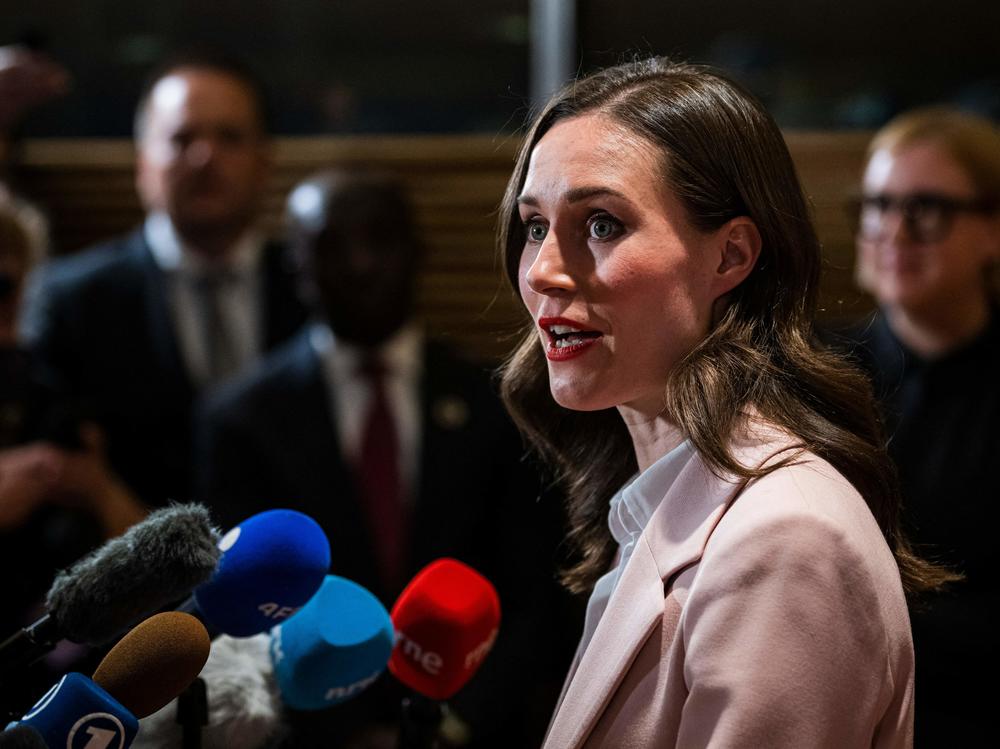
(652, 436)
(940, 328)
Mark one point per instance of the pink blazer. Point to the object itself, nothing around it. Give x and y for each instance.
(761, 615)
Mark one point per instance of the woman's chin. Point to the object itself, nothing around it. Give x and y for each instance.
(576, 399)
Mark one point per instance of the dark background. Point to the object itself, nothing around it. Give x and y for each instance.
(371, 66)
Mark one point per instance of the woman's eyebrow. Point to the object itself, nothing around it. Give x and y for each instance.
(583, 193)
(576, 195)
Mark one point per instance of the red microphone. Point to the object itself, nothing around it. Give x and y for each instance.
(446, 622)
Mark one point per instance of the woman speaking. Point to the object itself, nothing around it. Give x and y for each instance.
(732, 509)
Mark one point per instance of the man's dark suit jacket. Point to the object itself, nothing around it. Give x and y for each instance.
(269, 440)
(100, 322)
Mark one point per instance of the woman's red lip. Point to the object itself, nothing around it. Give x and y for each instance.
(552, 353)
(557, 349)
(547, 322)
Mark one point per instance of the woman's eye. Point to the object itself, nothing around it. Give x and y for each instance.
(604, 227)
(537, 231)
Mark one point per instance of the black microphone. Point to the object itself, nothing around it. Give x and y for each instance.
(22, 737)
(152, 565)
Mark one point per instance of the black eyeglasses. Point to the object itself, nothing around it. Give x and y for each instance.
(928, 216)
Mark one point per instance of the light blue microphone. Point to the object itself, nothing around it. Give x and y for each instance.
(334, 648)
(272, 563)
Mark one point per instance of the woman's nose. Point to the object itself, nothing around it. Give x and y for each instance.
(548, 272)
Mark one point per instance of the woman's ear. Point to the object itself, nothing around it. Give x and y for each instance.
(738, 246)
(738, 243)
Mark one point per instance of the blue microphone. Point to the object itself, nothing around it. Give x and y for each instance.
(78, 714)
(144, 671)
(334, 648)
(272, 563)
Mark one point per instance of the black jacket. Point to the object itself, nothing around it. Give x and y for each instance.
(269, 439)
(99, 320)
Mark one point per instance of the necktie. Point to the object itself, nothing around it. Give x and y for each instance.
(379, 479)
(222, 359)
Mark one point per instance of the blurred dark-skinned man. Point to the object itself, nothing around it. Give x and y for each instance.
(400, 449)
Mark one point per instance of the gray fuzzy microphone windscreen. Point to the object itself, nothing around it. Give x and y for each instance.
(244, 704)
(152, 565)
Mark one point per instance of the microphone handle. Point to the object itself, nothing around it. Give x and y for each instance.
(18, 651)
(192, 713)
(28, 644)
(421, 723)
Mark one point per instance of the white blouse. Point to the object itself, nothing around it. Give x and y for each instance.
(631, 508)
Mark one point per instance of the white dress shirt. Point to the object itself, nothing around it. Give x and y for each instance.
(350, 393)
(631, 508)
(240, 301)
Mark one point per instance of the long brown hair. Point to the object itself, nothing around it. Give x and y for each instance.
(724, 157)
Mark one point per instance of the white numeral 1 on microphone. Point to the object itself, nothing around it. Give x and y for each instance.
(100, 738)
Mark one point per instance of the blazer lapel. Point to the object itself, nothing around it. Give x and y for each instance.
(632, 613)
(674, 538)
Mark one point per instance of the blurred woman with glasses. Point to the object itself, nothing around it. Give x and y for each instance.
(928, 249)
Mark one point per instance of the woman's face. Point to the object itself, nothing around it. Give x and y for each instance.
(619, 285)
(936, 254)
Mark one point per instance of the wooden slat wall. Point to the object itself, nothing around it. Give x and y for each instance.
(455, 182)
(830, 166)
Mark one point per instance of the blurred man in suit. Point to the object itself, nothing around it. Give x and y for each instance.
(398, 448)
(139, 325)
